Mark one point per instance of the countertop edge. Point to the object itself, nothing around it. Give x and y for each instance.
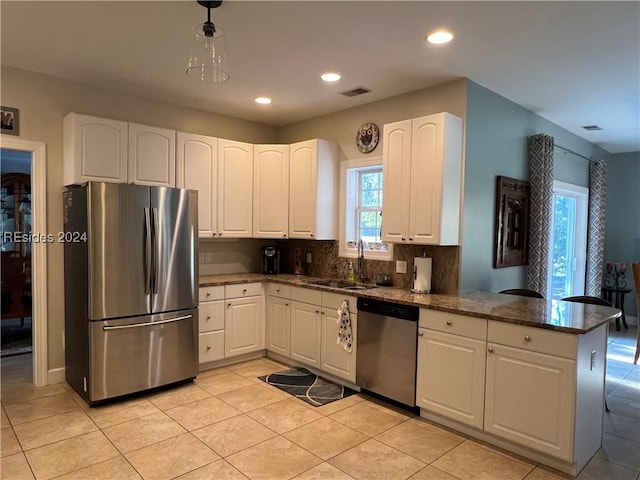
(413, 300)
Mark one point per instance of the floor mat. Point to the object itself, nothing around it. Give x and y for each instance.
(15, 339)
(307, 386)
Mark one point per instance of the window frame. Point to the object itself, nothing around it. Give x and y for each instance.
(579, 243)
(348, 203)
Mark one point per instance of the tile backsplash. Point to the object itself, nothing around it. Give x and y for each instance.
(326, 263)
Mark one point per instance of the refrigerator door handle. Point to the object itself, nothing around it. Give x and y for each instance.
(147, 252)
(146, 324)
(156, 236)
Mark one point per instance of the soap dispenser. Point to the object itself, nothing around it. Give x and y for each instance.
(351, 276)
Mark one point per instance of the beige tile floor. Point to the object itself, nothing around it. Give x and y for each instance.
(229, 425)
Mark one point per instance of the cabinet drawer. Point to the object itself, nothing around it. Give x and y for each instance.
(211, 293)
(211, 346)
(279, 290)
(306, 295)
(211, 316)
(333, 301)
(242, 290)
(462, 325)
(533, 339)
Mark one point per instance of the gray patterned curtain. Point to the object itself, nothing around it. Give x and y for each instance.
(595, 227)
(540, 211)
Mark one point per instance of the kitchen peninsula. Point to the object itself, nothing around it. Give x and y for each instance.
(525, 374)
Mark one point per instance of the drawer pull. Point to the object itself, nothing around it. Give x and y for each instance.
(208, 348)
(208, 294)
(229, 305)
(449, 323)
(286, 304)
(317, 311)
(208, 317)
(244, 290)
(278, 290)
(527, 338)
(490, 350)
(420, 333)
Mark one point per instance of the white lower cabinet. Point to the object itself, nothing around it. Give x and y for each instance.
(451, 376)
(243, 326)
(278, 335)
(334, 358)
(305, 333)
(211, 324)
(530, 399)
(211, 346)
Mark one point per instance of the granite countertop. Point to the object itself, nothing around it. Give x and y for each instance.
(557, 315)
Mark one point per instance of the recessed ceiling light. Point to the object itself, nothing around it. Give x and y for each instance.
(439, 37)
(330, 77)
(263, 100)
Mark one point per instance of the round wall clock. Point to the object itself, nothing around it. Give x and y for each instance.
(367, 137)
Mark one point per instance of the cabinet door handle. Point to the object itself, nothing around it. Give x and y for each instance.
(410, 239)
(420, 333)
(321, 312)
(527, 338)
(284, 234)
(208, 348)
(403, 239)
(278, 290)
(208, 317)
(449, 323)
(286, 304)
(317, 311)
(228, 304)
(490, 350)
(311, 235)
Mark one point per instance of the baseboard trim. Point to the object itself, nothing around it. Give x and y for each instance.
(55, 375)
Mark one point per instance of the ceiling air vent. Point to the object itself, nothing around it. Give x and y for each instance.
(355, 91)
(591, 128)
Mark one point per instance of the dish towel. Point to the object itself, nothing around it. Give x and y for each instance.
(345, 335)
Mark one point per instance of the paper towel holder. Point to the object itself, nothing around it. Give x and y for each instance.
(421, 291)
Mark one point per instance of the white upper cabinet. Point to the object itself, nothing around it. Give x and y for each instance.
(152, 156)
(197, 169)
(422, 170)
(95, 149)
(313, 192)
(271, 191)
(235, 189)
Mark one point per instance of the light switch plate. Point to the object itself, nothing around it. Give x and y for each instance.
(401, 266)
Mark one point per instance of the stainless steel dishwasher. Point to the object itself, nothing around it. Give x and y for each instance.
(386, 353)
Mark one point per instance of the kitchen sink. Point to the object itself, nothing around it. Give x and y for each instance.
(340, 284)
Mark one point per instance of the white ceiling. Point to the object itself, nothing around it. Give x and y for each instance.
(574, 63)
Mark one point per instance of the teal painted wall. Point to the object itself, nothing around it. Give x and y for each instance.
(622, 238)
(496, 144)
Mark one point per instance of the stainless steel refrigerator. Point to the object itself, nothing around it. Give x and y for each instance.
(131, 259)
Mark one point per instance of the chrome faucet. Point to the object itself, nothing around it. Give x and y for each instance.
(361, 260)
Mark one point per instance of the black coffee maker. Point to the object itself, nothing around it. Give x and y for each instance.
(270, 260)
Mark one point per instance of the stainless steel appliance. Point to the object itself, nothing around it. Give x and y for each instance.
(131, 318)
(387, 346)
(270, 260)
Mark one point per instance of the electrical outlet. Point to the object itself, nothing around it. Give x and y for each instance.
(201, 258)
(208, 257)
(308, 257)
(401, 266)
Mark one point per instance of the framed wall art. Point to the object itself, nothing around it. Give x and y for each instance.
(512, 222)
(9, 120)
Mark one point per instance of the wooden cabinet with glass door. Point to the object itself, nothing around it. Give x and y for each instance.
(15, 200)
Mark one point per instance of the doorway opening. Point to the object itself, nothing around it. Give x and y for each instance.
(15, 249)
(39, 371)
(568, 240)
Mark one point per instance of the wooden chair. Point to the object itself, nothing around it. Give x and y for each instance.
(589, 299)
(635, 267)
(523, 292)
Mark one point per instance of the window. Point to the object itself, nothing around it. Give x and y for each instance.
(568, 240)
(361, 209)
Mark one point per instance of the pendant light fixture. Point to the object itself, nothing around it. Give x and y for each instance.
(208, 55)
